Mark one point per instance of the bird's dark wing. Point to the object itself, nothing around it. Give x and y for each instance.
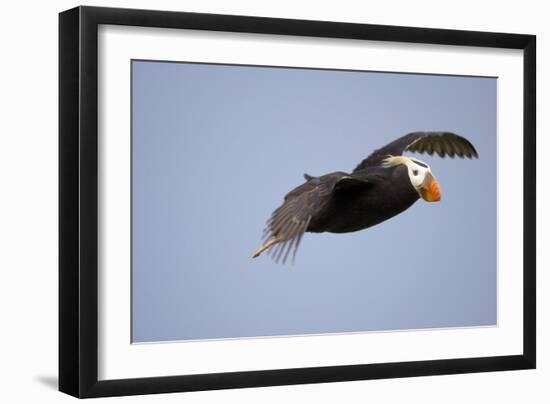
(289, 222)
(442, 143)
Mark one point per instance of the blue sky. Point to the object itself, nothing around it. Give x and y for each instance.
(215, 149)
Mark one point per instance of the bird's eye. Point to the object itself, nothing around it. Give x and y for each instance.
(415, 172)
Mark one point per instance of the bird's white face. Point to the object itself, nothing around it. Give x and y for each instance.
(420, 175)
(417, 171)
(423, 180)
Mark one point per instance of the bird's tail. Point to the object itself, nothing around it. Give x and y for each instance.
(268, 244)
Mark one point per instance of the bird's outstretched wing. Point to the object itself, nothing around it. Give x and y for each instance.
(289, 222)
(442, 143)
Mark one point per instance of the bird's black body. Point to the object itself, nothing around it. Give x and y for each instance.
(374, 192)
(389, 193)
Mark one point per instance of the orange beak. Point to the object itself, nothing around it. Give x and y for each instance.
(430, 189)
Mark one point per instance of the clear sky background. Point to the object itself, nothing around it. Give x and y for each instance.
(215, 149)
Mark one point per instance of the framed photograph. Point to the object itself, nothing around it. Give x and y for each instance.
(250, 201)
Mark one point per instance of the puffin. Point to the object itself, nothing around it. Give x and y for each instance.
(381, 186)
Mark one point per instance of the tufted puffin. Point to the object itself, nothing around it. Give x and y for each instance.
(383, 185)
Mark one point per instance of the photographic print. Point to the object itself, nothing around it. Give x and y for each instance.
(278, 201)
(248, 201)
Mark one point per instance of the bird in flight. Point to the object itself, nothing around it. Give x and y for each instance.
(383, 185)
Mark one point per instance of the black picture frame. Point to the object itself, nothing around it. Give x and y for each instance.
(78, 201)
